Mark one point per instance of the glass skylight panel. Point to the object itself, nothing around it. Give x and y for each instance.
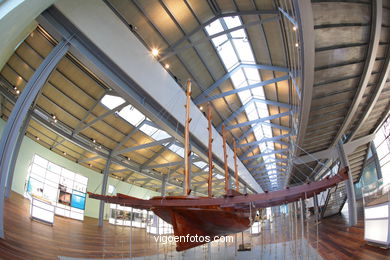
(159, 135)
(238, 78)
(245, 96)
(219, 40)
(132, 115)
(200, 164)
(177, 149)
(262, 106)
(214, 27)
(239, 35)
(232, 22)
(252, 74)
(112, 101)
(244, 51)
(236, 50)
(148, 129)
(228, 55)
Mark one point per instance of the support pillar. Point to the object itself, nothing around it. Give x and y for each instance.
(164, 184)
(15, 156)
(19, 112)
(352, 211)
(315, 203)
(104, 189)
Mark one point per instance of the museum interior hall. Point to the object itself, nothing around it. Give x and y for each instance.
(194, 129)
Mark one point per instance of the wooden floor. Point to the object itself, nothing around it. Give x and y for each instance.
(26, 239)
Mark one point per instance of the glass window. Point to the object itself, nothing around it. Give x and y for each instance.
(132, 115)
(112, 101)
(382, 145)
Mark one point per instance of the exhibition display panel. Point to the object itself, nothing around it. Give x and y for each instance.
(54, 185)
(376, 198)
(127, 216)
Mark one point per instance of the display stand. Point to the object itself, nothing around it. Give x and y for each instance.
(376, 198)
(42, 210)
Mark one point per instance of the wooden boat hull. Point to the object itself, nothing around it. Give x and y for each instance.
(210, 222)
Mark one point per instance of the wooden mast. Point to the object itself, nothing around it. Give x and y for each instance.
(210, 152)
(225, 157)
(235, 164)
(187, 151)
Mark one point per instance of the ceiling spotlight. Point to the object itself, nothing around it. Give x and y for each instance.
(94, 141)
(167, 66)
(90, 165)
(128, 158)
(296, 45)
(294, 28)
(53, 116)
(64, 153)
(55, 120)
(100, 147)
(201, 108)
(17, 91)
(37, 138)
(15, 88)
(155, 52)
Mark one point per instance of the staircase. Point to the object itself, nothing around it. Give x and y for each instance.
(337, 196)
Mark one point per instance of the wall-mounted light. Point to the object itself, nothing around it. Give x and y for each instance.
(167, 66)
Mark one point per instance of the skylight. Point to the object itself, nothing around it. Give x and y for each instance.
(233, 49)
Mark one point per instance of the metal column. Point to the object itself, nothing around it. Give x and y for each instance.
(15, 121)
(352, 211)
(315, 203)
(164, 184)
(104, 189)
(15, 156)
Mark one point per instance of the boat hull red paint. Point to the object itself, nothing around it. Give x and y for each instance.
(210, 222)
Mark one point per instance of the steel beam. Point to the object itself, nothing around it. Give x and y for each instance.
(249, 87)
(266, 163)
(306, 45)
(251, 101)
(281, 151)
(376, 25)
(156, 155)
(352, 210)
(331, 153)
(170, 164)
(210, 37)
(144, 146)
(101, 117)
(264, 140)
(89, 159)
(104, 190)
(15, 155)
(260, 120)
(208, 22)
(288, 16)
(252, 129)
(19, 113)
(374, 98)
(127, 137)
(199, 100)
